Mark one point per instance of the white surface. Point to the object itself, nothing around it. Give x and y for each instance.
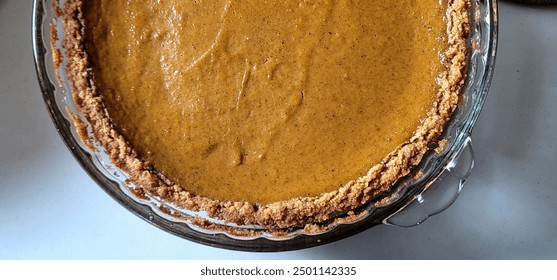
(50, 209)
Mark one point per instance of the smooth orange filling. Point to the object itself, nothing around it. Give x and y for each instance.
(263, 101)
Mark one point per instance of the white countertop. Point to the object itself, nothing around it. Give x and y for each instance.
(51, 209)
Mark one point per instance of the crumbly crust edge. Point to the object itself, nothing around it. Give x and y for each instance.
(278, 215)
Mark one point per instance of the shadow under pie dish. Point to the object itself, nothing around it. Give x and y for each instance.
(262, 121)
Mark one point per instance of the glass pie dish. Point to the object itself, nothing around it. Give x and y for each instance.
(429, 189)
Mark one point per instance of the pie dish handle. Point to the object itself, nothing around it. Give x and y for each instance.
(440, 193)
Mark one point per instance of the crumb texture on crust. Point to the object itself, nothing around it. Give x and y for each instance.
(283, 214)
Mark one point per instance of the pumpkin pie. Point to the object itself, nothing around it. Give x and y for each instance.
(271, 113)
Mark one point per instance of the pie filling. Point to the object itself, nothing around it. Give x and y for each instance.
(262, 102)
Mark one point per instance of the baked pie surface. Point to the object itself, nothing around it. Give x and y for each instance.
(275, 113)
